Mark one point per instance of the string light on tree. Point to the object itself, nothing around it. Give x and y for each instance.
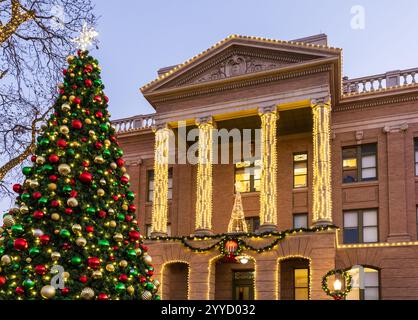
(86, 37)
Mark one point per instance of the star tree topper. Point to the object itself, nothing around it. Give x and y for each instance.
(87, 35)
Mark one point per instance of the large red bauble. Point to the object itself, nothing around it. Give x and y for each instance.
(68, 211)
(102, 296)
(53, 158)
(132, 208)
(134, 235)
(98, 145)
(65, 291)
(99, 114)
(17, 188)
(123, 278)
(36, 195)
(150, 272)
(102, 214)
(88, 83)
(20, 291)
(53, 178)
(98, 98)
(89, 229)
(83, 279)
(124, 180)
(106, 98)
(93, 262)
(61, 143)
(73, 194)
(116, 198)
(33, 158)
(20, 244)
(120, 162)
(38, 215)
(77, 100)
(77, 124)
(55, 203)
(86, 177)
(3, 281)
(142, 279)
(88, 68)
(128, 218)
(40, 269)
(44, 239)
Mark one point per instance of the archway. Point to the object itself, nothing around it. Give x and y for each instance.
(294, 278)
(175, 281)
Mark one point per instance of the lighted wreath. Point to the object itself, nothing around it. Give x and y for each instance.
(230, 247)
(341, 294)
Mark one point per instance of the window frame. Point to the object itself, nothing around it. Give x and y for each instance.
(362, 291)
(360, 225)
(360, 154)
(415, 156)
(170, 176)
(306, 162)
(301, 214)
(250, 223)
(307, 282)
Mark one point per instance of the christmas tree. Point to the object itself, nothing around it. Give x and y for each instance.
(74, 212)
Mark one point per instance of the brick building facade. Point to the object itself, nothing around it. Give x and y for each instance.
(334, 151)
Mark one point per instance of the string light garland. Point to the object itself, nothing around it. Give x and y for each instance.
(163, 280)
(337, 294)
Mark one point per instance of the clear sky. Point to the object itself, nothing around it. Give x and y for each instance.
(138, 37)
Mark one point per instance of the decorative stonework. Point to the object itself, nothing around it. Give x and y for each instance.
(397, 128)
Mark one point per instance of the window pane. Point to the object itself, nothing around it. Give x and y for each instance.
(300, 181)
(416, 169)
(150, 195)
(301, 293)
(242, 186)
(368, 173)
(300, 221)
(416, 155)
(370, 234)
(350, 235)
(371, 294)
(368, 161)
(301, 278)
(369, 218)
(371, 277)
(350, 163)
(151, 185)
(368, 148)
(257, 185)
(300, 168)
(349, 153)
(257, 173)
(170, 183)
(350, 176)
(350, 219)
(300, 157)
(170, 194)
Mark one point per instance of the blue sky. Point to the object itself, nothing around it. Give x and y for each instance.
(139, 37)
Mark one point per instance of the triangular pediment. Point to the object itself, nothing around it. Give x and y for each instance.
(238, 56)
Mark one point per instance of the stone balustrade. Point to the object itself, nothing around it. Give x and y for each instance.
(380, 81)
(135, 123)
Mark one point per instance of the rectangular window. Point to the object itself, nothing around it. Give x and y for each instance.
(253, 223)
(417, 220)
(360, 163)
(248, 176)
(301, 277)
(150, 175)
(360, 226)
(300, 220)
(300, 170)
(416, 156)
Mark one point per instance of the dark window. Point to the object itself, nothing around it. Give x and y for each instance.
(360, 226)
(416, 156)
(300, 170)
(243, 285)
(300, 220)
(360, 163)
(150, 175)
(253, 223)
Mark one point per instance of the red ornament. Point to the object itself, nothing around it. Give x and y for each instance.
(83, 279)
(40, 269)
(68, 211)
(84, 139)
(93, 262)
(3, 281)
(150, 272)
(64, 72)
(20, 244)
(72, 182)
(77, 100)
(98, 145)
(112, 138)
(53, 158)
(98, 98)
(61, 91)
(90, 229)
(77, 124)
(88, 68)
(102, 296)
(128, 218)
(65, 291)
(61, 143)
(20, 291)
(74, 86)
(123, 278)
(55, 203)
(132, 208)
(124, 180)
(33, 158)
(73, 194)
(85, 164)
(86, 177)
(53, 178)
(106, 98)
(88, 83)
(66, 246)
(17, 188)
(44, 239)
(144, 247)
(120, 162)
(99, 114)
(134, 235)
(38, 215)
(142, 279)
(116, 198)
(102, 214)
(36, 195)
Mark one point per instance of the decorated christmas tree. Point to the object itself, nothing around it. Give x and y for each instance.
(73, 233)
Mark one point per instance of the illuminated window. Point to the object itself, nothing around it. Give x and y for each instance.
(247, 176)
(360, 163)
(360, 226)
(365, 284)
(301, 277)
(416, 156)
(300, 170)
(300, 220)
(150, 175)
(253, 223)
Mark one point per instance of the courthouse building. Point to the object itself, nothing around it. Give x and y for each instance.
(331, 184)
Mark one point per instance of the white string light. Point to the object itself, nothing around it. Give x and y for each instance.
(87, 35)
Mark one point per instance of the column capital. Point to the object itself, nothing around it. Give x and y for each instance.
(205, 120)
(133, 162)
(267, 109)
(321, 101)
(396, 128)
(160, 126)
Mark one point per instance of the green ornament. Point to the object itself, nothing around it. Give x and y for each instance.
(97, 82)
(17, 229)
(43, 201)
(133, 272)
(104, 127)
(79, 79)
(25, 197)
(149, 286)
(74, 114)
(157, 297)
(76, 260)
(44, 142)
(120, 287)
(104, 243)
(130, 195)
(1, 251)
(28, 284)
(15, 266)
(65, 233)
(91, 210)
(121, 217)
(70, 152)
(106, 153)
(47, 167)
(100, 171)
(94, 186)
(67, 189)
(119, 152)
(27, 219)
(25, 271)
(131, 254)
(34, 251)
(27, 171)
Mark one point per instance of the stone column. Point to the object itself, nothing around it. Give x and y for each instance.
(160, 201)
(268, 183)
(398, 223)
(204, 176)
(322, 201)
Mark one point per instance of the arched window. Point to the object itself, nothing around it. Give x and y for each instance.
(365, 283)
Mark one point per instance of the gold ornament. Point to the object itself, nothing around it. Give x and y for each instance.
(66, 275)
(146, 295)
(138, 251)
(111, 211)
(24, 209)
(112, 224)
(6, 260)
(147, 258)
(48, 292)
(33, 184)
(87, 121)
(9, 221)
(40, 160)
(100, 192)
(92, 133)
(99, 160)
(76, 228)
(124, 207)
(102, 182)
(130, 290)
(70, 59)
(72, 202)
(72, 98)
(156, 283)
(66, 107)
(55, 216)
(55, 256)
(87, 294)
(107, 143)
(123, 169)
(52, 186)
(64, 130)
(110, 267)
(123, 263)
(28, 260)
(118, 237)
(113, 165)
(64, 169)
(81, 242)
(97, 274)
(65, 120)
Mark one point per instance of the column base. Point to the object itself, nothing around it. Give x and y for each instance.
(398, 237)
(203, 232)
(158, 234)
(267, 228)
(322, 223)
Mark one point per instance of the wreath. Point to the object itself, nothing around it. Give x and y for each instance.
(337, 295)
